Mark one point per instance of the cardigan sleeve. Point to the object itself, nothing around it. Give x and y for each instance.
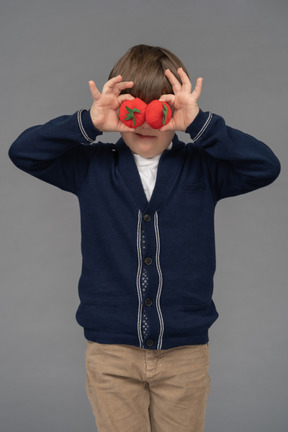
(58, 152)
(239, 163)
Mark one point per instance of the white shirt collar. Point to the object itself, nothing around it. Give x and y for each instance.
(142, 161)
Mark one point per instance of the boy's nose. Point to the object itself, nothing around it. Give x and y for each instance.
(144, 126)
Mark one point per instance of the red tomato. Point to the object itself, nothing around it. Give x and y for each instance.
(132, 112)
(158, 114)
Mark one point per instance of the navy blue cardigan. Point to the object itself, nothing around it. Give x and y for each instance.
(178, 255)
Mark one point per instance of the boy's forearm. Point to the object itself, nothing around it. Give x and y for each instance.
(241, 162)
(56, 152)
(52, 139)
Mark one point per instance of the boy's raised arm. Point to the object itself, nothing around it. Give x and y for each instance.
(240, 163)
(54, 152)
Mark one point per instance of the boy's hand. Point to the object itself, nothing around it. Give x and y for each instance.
(103, 111)
(184, 101)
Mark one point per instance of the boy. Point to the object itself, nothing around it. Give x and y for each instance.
(147, 221)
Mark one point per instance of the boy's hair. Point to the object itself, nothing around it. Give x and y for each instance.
(145, 65)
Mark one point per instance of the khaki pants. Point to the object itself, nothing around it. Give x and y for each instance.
(140, 390)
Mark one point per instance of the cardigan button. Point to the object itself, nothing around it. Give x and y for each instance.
(148, 261)
(147, 218)
(150, 343)
(148, 302)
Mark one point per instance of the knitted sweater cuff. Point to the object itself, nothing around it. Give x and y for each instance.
(87, 127)
(199, 125)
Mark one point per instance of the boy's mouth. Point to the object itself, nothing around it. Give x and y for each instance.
(145, 136)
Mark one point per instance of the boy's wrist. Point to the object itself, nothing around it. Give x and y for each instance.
(88, 130)
(196, 126)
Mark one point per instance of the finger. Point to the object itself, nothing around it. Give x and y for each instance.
(168, 98)
(168, 127)
(187, 86)
(198, 88)
(173, 81)
(109, 85)
(123, 86)
(124, 97)
(94, 91)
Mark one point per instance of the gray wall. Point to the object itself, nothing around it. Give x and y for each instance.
(49, 52)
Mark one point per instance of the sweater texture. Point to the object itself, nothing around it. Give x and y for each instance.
(148, 266)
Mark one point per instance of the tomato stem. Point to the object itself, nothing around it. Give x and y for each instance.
(131, 114)
(165, 110)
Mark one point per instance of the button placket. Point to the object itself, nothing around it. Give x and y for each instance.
(144, 287)
(147, 278)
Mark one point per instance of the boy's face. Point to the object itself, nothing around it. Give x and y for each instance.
(146, 141)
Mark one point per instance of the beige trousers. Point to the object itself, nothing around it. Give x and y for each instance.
(140, 390)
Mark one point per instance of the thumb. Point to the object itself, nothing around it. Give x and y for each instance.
(169, 126)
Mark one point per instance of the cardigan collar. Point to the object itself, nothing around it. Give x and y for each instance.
(169, 165)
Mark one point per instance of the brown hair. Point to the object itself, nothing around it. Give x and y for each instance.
(145, 65)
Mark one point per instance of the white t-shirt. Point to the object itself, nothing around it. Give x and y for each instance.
(147, 168)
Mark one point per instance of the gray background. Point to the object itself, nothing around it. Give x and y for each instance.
(49, 52)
